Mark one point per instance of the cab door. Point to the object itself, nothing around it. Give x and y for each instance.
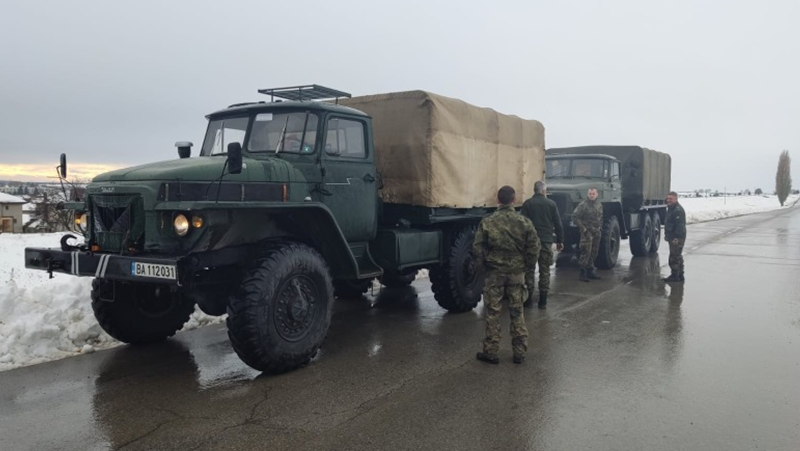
(349, 177)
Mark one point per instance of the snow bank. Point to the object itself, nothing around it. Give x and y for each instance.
(43, 319)
(701, 209)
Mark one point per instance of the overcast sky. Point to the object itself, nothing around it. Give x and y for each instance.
(716, 84)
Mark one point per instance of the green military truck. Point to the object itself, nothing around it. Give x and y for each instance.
(632, 184)
(289, 202)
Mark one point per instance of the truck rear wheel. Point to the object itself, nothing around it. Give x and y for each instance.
(609, 244)
(138, 313)
(398, 279)
(642, 239)
(456, 284)
(281, 312)
(656, 233)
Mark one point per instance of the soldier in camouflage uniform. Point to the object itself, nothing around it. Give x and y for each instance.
(675, 234)
(588, 216)
(543, 213)
(505, 247)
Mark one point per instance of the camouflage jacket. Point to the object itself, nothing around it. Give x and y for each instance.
(675, 223)
(543, 213)
(589, 215)
(505, 242)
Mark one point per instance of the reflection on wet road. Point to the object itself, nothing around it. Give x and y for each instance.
(626, 362)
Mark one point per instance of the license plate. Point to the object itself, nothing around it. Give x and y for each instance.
(154, 270)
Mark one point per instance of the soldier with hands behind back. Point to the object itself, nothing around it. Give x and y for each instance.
(505, 248)
(544, 215)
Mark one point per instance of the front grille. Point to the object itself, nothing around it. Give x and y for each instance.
(117, 221)
(561, 203)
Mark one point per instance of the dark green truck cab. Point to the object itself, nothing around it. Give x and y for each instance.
(279, 213)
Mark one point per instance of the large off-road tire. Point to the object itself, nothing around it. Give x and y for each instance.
(656, 242)
(398, 279)
(351, 288)
(456, 284)
(281, 312)
(642, 239)
(609, 244)
(140, 312)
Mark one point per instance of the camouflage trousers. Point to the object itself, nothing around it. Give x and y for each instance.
(545, 261)
(590, 245)
(499, 287)
(676, 257)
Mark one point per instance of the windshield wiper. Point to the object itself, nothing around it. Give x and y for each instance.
(283, 135)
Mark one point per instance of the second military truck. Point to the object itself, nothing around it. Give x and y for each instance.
(288, 202)
(632, 183)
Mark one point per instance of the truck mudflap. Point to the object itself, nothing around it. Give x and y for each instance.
(105, 266)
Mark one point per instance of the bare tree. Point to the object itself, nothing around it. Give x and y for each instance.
(783, 178)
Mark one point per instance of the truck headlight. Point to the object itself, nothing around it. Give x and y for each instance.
(81, 221)
(180, 224)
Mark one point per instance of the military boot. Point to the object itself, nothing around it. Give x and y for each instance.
(542, 300)
(681, 276)
(583, 277)
(529, 302)
(519, 358)
(590, 274)
(488, 358)
(672, 278)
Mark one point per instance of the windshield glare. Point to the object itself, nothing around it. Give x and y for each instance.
(577, 167)
(269, 132)
(222, 132)
(287, 132)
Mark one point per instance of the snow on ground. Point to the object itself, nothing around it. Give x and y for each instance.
(700, 209)
(45, 319)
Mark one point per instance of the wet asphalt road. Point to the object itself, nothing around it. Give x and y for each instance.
(625, 363)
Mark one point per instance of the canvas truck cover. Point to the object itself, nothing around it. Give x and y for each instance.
(645, 173)
(436, 151)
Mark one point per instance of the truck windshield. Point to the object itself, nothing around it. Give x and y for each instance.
(285, 132)
(577, 167)
(222, 132)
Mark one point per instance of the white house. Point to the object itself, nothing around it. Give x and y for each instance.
(11, 213)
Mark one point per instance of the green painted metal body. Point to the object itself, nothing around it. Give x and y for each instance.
(324, 198)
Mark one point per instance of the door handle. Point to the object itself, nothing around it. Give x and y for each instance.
(368, 178)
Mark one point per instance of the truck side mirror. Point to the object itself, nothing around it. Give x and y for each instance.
(184, 149)
(63, 166)
(235, 158)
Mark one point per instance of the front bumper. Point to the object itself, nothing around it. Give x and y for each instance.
(104, 266)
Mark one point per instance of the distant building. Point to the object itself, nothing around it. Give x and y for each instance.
(11, 213)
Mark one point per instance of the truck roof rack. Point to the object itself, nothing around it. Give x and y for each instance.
(305, 92)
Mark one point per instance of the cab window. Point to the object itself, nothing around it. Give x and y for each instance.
(345, 138)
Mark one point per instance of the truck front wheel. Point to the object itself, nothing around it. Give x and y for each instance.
(609, 244)
(281, 312)
(139, 313)
(456, 284)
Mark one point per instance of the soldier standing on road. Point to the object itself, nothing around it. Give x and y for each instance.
(543, 212)
(505, 247)
(588, 216)
(675, 234)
